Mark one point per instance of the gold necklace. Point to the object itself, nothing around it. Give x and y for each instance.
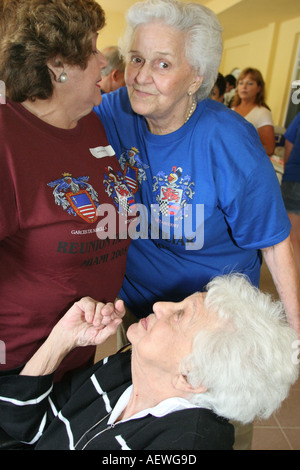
(192, 109)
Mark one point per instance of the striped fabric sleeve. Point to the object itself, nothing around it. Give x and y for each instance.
(25, 406)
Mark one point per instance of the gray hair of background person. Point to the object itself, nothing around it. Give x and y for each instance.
(203, 44)
(115, 60)
(252, 350)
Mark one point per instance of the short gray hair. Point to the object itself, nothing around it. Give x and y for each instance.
(114, 59)
(246, 363)
(204, 45)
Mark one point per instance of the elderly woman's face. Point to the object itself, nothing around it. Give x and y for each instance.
(166, 336)
(158, 75)
(83, 86)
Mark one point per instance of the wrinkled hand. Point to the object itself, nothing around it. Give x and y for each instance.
(89, 323)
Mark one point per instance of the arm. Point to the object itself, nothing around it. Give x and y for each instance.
(87, 323)
(288, 147)
(280, 261)
(267, 137)
(28, 399)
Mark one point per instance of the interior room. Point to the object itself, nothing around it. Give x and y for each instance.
(264, 34)
(62, 169)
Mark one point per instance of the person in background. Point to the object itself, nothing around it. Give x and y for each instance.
(113, 74)
(218, 90)
(175, 389)
(290, 185)
(250, 103)
(55, 172)
(230, 90)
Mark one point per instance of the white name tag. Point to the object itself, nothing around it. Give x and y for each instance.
(2, 93)
(101, 152)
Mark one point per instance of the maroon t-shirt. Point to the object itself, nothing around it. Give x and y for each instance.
(55, 187)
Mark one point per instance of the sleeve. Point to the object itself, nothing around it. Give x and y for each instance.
(249, 192)
(25, 405)
(264, 117)
(257, 216)
(28, 404)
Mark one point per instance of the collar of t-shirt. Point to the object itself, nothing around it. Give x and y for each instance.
(163, 408)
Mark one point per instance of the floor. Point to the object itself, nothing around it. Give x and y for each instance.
(282, 430)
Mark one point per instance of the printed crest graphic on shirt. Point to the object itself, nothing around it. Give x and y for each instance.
(172, 191)
(116, 189)
(134, 168)
(76, 196)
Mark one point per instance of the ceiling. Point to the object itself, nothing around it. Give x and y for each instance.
(236, 16)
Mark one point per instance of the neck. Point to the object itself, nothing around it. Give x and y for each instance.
(50, 112)
(173, 121)
(150, 387)
(248, 103)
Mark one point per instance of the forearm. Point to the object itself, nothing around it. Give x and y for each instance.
(48, 357)
(281, 264)
(86, 323)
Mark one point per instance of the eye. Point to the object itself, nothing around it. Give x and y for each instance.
(178, 314)
(136, 61)
(163, 65)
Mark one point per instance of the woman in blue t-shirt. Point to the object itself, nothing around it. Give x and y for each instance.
(208, 194)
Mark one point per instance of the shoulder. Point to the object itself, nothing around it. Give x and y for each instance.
(114, 102)
(293, 129)
(261, 116)
(196, 429)
(9, 111)
(231, 144)
(224, 124)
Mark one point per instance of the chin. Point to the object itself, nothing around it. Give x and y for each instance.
(98, 100)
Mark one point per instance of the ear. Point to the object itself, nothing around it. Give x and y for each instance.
(196, 84)
(56, 67)
(180, 383)
(115, 75)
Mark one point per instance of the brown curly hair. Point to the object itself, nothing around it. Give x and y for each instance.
(34, 32)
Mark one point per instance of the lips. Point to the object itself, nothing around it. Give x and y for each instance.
(144, 323)
(142, 93)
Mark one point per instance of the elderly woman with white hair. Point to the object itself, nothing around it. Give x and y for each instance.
(227, 353)
(209, 197)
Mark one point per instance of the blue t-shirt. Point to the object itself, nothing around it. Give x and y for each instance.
(292, 167)
(212, 197)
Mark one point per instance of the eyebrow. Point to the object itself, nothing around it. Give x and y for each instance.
(194, 310)
(157, 53)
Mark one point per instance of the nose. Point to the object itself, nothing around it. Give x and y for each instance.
(144, 73)
(158, 309)
(161, 309)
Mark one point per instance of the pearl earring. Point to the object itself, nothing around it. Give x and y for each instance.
(62, 78)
